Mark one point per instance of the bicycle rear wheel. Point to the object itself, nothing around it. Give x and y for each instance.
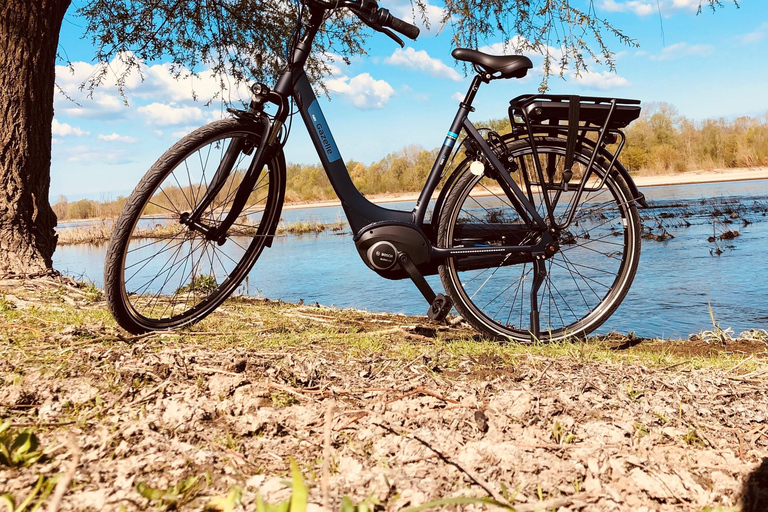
(587, 278)
(161, 274)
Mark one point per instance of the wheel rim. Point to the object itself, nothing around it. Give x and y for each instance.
(171, 274)
(586, 278)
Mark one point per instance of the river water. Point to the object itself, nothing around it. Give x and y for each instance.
(677, 283)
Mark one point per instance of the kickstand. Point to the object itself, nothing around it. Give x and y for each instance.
(439, 305)
(539, 274)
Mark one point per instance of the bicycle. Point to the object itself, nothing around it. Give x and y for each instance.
(535, 234)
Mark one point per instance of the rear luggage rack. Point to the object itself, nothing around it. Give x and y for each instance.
(614, 113)
(573, 118)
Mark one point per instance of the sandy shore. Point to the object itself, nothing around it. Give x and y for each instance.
(684, 178)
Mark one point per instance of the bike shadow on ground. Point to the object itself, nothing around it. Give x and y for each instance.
(754, 494)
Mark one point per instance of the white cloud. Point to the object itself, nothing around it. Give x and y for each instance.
(756, 36)
(638, 7)
(87, 154)
(362, 91)
(680, 50)
(513, 46)
(421, 61)
(412, 14)
(603, 81)
(331, 60)
(458, 96)
(118, 137)
(160, 83)
(63, 129)
(183, 132)
(647, 7)
(690, 5)
(161, 114)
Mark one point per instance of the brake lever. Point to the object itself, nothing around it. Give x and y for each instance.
(379, 28)
(392, 36)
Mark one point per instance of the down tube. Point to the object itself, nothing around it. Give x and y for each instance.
(359, 211)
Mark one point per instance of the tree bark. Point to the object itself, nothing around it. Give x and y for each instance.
(29, 37)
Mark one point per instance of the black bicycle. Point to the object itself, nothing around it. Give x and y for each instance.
(535, 233)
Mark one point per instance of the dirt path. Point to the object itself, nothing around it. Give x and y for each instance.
(401, 410)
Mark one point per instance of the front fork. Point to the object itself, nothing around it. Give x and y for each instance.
(264, 152)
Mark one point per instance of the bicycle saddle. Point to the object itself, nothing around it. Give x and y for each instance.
(510, 66)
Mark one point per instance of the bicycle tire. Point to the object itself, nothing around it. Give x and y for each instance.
(587, 278)
(195, 275)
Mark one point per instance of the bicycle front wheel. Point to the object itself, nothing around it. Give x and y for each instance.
(161, 274)
(588, 276)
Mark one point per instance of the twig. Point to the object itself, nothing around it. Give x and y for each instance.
(741, 363)
(423, 391)
(391, 330)
(420, 459)
(543, 373)
(206, 369)
(327, 456)
(554, 503)
(289, 389)
(66, 479)
(471, 474)
(359, 416)
(14, 326)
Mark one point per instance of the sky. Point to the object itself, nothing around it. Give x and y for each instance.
(707, 66)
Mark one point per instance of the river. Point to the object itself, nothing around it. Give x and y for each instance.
(677, 283)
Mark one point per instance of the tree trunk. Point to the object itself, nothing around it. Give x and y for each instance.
(29, 37)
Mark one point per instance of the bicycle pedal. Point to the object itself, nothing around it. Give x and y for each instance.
(440, 308)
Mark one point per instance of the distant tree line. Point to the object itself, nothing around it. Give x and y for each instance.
(661, 141)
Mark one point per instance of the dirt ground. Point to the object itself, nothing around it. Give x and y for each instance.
(197, 414)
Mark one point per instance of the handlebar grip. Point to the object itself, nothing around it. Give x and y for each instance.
(404, 28)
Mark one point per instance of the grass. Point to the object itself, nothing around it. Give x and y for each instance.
(263, 324)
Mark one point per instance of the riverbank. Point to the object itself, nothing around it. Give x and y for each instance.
(381, 407)
(641, 180)
(101, 232)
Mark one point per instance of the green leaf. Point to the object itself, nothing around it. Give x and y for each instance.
(227, 503)
(7, 500)
(50, 484)
(24, 504)
(148, 492)
(300, 495)
(5, 426)
(260, 505)
(283, 506)
(23, 449)
(347, 505)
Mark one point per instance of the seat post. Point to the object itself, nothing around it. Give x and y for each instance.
(470, 96)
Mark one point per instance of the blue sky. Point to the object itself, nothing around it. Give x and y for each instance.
(708, 66)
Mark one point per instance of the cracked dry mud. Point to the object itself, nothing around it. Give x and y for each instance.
(538, 432)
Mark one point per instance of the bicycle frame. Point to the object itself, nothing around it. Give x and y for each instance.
(360, 212)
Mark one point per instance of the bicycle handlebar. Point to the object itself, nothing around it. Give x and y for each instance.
(377, 18)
